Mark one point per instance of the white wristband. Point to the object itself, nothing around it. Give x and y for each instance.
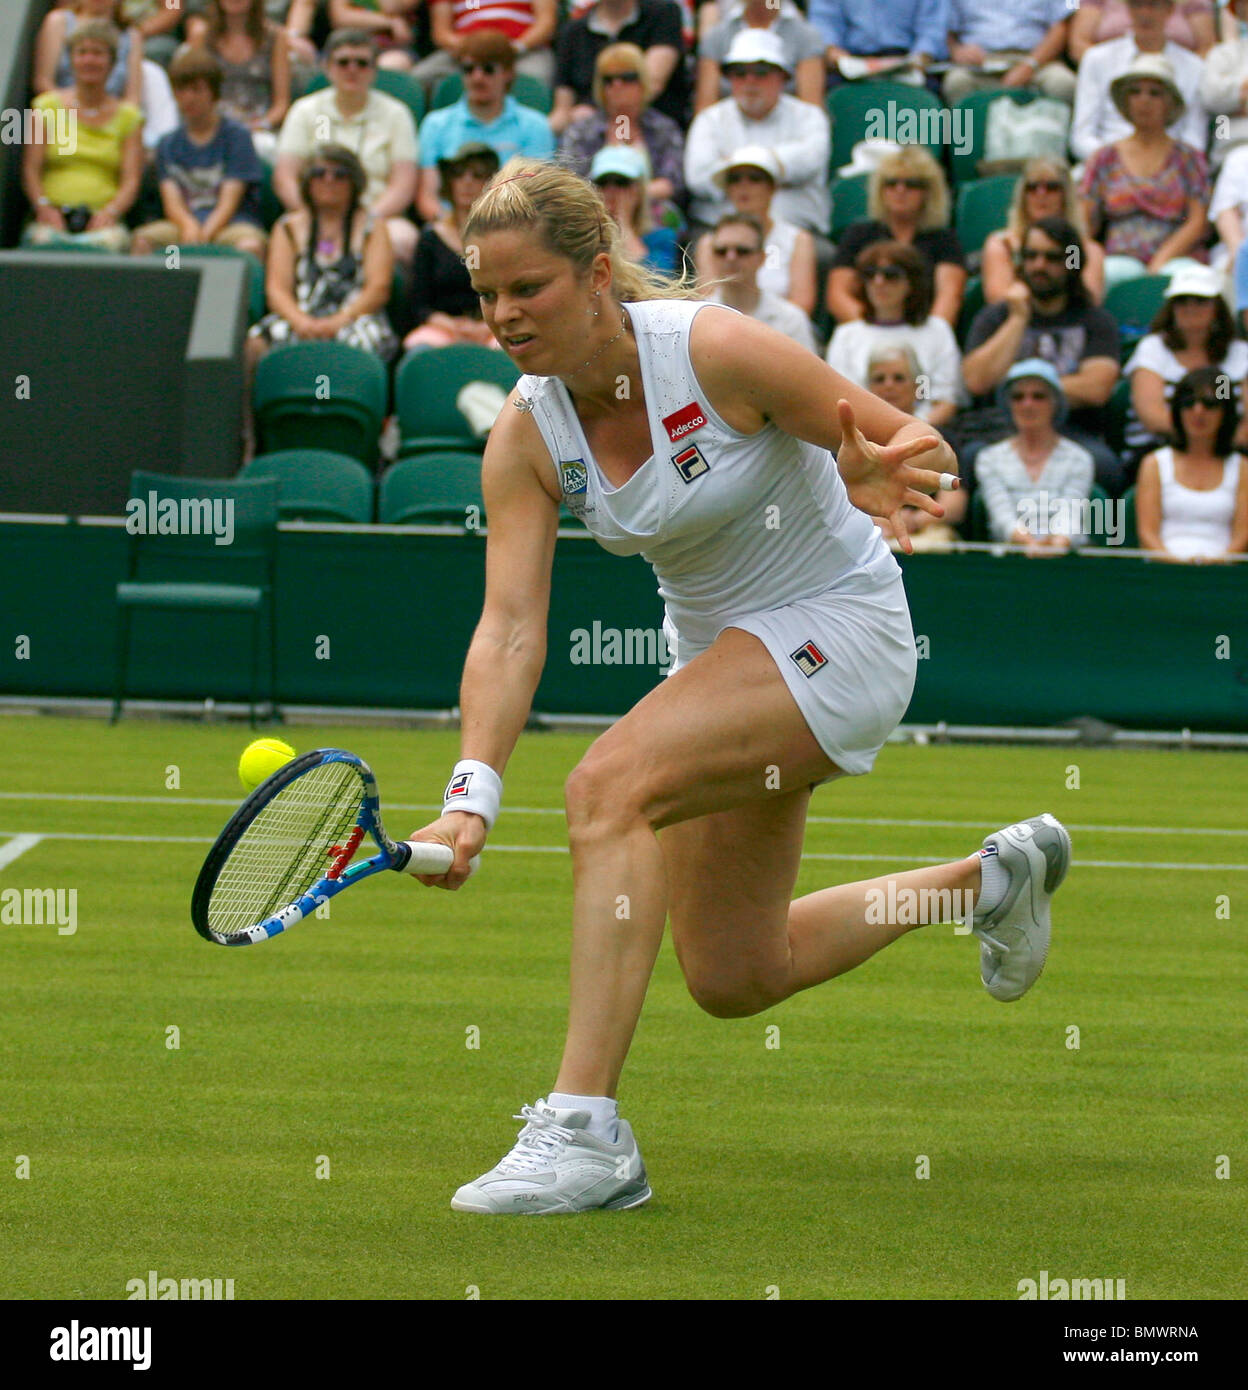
(474, 787)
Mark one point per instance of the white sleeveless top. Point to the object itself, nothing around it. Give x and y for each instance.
(1195, 522)
(778, 259)
(732, 524)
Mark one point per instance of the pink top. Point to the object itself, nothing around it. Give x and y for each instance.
(1116, 20)
(1138, 214)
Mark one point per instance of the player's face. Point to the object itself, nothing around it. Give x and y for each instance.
(535, 303)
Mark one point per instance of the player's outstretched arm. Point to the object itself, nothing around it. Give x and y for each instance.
(753, 375)
(508, 649)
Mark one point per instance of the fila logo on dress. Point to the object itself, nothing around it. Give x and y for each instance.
(809, 658)
(690, 462)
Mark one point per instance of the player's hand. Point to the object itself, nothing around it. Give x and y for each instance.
(881, 479)
(461, 831)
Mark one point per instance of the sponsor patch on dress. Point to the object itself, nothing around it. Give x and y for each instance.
(573, 476)
(809, 658)
(690, 464)
(688, 418)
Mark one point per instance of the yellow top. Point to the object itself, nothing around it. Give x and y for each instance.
(82, 163)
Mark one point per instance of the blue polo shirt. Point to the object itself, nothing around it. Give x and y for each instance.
(518, 130)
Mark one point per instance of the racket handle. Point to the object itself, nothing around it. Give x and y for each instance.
(432, 857)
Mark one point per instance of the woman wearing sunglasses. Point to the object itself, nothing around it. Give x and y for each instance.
(907, 201)
(1036, 482)
(623, 115)
(330, 264)
(1192, 496)
(896, 290)
(1044, 189)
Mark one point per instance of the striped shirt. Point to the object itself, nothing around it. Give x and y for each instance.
(510, 17)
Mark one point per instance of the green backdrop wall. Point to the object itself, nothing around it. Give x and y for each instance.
(379, 617)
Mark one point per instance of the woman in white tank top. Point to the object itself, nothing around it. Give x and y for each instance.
(1192, 497)
(700, 439)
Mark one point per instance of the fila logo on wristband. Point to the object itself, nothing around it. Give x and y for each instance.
(458, 785)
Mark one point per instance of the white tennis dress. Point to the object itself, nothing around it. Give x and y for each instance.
(749, 531)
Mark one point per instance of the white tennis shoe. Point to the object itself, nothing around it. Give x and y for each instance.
(1014, 935)
(558, 1166)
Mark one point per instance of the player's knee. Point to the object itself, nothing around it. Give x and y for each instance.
(738, 998)
(598, 795)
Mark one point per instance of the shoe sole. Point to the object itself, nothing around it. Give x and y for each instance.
(624, 1203)
(1054, 876)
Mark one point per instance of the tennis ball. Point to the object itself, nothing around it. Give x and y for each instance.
(261, 759)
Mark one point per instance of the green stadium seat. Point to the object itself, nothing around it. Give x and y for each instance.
(1116, 415)
(849, 202)
(256, 302)
(965, 164)
(427, 389)
(435, 489)
(528, 91)
(400, 85)
(972, 303)
(316, 485)
(983, 206)
(320, 396)
(1134, 305)
(192, 573)
(851, 107)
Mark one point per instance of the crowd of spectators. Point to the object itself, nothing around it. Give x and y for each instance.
(276, 128)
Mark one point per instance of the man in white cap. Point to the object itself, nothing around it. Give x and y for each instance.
(760, 113)
(1098, 119)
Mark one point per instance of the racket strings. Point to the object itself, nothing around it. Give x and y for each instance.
(287, 848)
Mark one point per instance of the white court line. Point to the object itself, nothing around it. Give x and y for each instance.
(562, 849)
(16, 847)
(558, 811)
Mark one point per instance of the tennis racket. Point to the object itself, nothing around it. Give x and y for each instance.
(288, 849)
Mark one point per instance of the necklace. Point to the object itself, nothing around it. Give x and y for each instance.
(607, 344)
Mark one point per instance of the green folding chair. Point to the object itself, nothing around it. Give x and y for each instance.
(528, 91)
(849, 202)
(1134, 304)
(316, 485)
(400, 85)
(188, 571)
(972, 303)
(857, 107)
(965, 163)
(1130, 530)
(983, 206)
(256, 303)
(427, 386)
(320, 396)
(435, 489)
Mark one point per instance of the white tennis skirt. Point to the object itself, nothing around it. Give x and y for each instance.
(848, 659)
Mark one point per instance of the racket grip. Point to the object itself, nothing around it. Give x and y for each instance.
(432, 857)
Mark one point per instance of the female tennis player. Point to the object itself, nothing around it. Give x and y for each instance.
(705, 441)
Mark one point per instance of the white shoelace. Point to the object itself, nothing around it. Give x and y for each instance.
(991, 940)
(539, 1143)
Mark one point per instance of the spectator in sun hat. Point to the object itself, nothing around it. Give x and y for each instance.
(1144, 195)
(620, 174)
(759, 112)
(1099, 120)
(749, 177)
(803, 46)
(1023, 476)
